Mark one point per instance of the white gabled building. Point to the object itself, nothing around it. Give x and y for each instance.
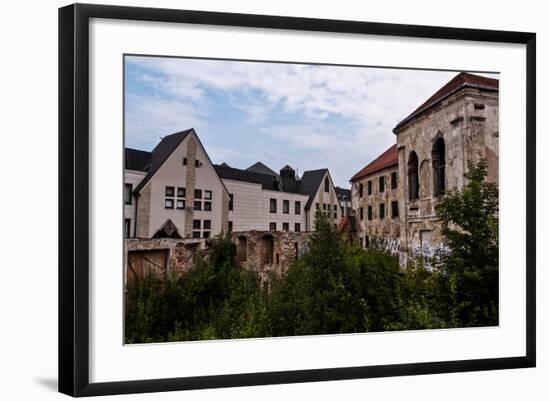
(173, 191)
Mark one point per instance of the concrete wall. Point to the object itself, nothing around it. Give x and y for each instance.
(132, 177)
(468, 124)
(251, 207)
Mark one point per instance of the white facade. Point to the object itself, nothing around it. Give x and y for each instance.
(251, 208)
(325, 200)
(131, 180)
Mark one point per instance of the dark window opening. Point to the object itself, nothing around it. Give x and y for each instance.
(369, 187)
(286, 206)
(272, 226)
(198, 193)
(196, 234)
(369, 213)
(197, 205)
(208, 206)
(382, 210)
(231, 199)
(229, 226)
(367, 241)
(285, 227)
(185, 161)
(206, 224)
(361, 213)
(393, 180)
(327, 184)
(127, 224)
(273, 206)
(438, 164)
(297, 207)
(394, 209)
(381, 184)
(206, 234)
(412, 171)
(169, 191)
(181, 192)
(297, 227)
(128, 194)
(479, 106)
(361, 190)
(196, 224)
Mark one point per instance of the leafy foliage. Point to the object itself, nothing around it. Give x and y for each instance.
(336, 287)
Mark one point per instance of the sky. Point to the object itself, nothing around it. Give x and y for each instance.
(306, 116)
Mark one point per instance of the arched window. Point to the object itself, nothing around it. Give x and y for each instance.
(412, 171)
(326, 184)
(438, 165)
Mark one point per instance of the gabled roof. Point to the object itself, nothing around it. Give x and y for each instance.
(460, 81)
(310, 183)
(385, 160)
(268, 181)
(161, 152)
(259, 167)
(135, 159)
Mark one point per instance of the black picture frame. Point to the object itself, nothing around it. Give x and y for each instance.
(74, 198)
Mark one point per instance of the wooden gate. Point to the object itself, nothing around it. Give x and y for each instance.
(143, 263)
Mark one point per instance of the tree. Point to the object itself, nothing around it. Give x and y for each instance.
(470, 229)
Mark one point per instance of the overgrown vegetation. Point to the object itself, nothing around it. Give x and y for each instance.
(336, 287)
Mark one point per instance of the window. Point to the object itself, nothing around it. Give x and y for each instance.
(169, 203)
(297, 227)
(196, 224)
(273, 205)
(285, 227)
(367, 241)
(197, 205)
(127, 224)
(198, 163)
(369, 213)
(286, 206)
(335, 208)
(369, 187)
(317, 206)
(361, 190)
(324, 206)
(361, 213)
(393, 180)
(196, 234)
(382, 210)
(272, 226)
(230, 201)
(297, 207)
(412, 172)
(169, 191)
(381, 184)
(185, 161)
(208, 206)
(128, 194)
(479, 106)
(335, 215)
(229, 226)
(206, 234)
(394, 209)
(198, 193)
(206, 224)
(327, 184)
(208, 195)
(180, 204)
(438, 165)
(181, 192)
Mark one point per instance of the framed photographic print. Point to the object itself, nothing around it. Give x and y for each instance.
(250, 199)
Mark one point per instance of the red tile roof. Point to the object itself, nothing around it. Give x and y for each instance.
(461, 80)
(385, 160)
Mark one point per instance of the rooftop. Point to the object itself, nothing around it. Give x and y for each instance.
(385, 160)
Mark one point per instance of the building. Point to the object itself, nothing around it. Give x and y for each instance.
(173, 191)
(395, 196)
(457, 124)
(261, 199)
(375, 200)
(344, 197)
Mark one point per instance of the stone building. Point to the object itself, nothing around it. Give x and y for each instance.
(375, 200)
(394, 196)
(457, 124)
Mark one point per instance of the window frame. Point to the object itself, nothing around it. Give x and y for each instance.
(131, 187)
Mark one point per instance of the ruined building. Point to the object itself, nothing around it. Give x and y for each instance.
(457, 124)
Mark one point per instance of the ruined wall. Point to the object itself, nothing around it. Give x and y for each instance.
(268, 252)
(467, 122)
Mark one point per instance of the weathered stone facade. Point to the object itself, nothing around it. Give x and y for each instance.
(434, 147)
